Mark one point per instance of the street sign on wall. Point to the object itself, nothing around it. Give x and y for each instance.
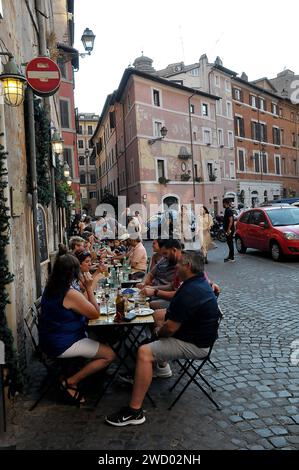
(43, 76)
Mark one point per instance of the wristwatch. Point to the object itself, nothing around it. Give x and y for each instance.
(156, 292)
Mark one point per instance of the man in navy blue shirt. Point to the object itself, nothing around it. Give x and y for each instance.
(189, 329)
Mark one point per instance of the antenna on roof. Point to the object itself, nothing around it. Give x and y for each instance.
(182, 42)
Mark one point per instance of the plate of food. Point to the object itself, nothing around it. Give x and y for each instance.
(143, 312)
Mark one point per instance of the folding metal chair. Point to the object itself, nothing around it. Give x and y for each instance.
(55, 367)
(192, 368)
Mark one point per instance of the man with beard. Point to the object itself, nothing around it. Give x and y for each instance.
(158, 289)
(189, 329)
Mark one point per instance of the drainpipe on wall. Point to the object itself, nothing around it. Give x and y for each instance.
(191, 142)
(125, 145)
(39, 7)
(32, 155)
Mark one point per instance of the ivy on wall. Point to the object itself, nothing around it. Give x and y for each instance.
(61, 186)
(43, 153)
(13, 376)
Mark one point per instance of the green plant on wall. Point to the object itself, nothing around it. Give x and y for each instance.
(61, 186)
(43, 153)
(13, 377)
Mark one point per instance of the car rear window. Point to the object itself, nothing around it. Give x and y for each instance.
(284, 217)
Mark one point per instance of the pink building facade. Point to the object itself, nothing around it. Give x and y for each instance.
(183, 167)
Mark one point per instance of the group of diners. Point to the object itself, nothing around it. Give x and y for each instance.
(182, 297)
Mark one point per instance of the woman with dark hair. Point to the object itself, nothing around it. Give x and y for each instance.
(62, 326)
(85, 259)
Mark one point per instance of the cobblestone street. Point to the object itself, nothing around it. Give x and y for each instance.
(256, 385)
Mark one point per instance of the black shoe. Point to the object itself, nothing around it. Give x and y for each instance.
(125, 417)
(232, 260)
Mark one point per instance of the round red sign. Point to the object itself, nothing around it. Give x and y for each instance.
(43, 75)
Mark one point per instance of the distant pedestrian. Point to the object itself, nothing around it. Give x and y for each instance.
(229, 228)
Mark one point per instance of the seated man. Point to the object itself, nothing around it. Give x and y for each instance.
(137, 258)
(162, 282)
(190, 328)
(161, 292)
(76, 244)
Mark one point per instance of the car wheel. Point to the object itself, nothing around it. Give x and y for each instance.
(276, 253)
(241, 248)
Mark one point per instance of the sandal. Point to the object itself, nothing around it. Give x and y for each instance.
(74, 398)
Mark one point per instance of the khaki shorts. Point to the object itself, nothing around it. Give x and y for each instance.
(83, 348)
(168, 349)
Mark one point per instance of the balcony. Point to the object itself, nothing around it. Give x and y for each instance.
(183, 154)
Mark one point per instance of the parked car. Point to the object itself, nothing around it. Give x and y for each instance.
(273, 228)
(296, 204)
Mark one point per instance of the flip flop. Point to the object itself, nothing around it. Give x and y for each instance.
(76, 398)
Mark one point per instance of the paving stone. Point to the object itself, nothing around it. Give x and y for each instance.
(249, 415)
(278, 430)
(264, 432)
(278, 441)
(296, 419)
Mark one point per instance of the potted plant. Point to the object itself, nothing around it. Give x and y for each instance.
(185, 177)
(212, 177)
(198, 179)
(163, 180)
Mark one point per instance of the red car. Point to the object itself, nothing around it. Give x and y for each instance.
(273, 229)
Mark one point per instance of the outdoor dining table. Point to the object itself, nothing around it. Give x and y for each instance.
(128, 341)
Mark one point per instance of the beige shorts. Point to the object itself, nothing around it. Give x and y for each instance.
(83, 348)
(168, 349)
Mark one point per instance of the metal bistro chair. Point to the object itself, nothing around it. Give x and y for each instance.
(55, 367)
(195, 372)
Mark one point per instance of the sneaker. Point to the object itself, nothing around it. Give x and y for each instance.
(126, 378)
(232, 260)
(162, 372)
(125, 417)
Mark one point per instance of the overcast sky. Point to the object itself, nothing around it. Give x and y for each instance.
(259, 37)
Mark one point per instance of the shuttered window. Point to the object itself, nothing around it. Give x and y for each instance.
(64, 114)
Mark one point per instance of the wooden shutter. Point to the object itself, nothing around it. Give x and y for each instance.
(242, 130)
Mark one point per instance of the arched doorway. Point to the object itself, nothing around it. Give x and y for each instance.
(254, 198)
(170, 202)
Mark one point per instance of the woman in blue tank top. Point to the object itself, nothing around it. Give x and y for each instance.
(62, 326)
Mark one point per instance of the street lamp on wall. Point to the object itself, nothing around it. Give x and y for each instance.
(163, 132)
(13, 82)
(87, 39)
(57, 143)
(66, 170)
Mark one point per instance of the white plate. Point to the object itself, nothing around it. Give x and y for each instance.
(142, 312)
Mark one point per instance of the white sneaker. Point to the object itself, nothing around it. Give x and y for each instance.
(162, 372)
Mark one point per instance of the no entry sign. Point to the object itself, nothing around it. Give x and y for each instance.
(43, 75)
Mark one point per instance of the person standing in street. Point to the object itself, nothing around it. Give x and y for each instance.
(229, 228)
